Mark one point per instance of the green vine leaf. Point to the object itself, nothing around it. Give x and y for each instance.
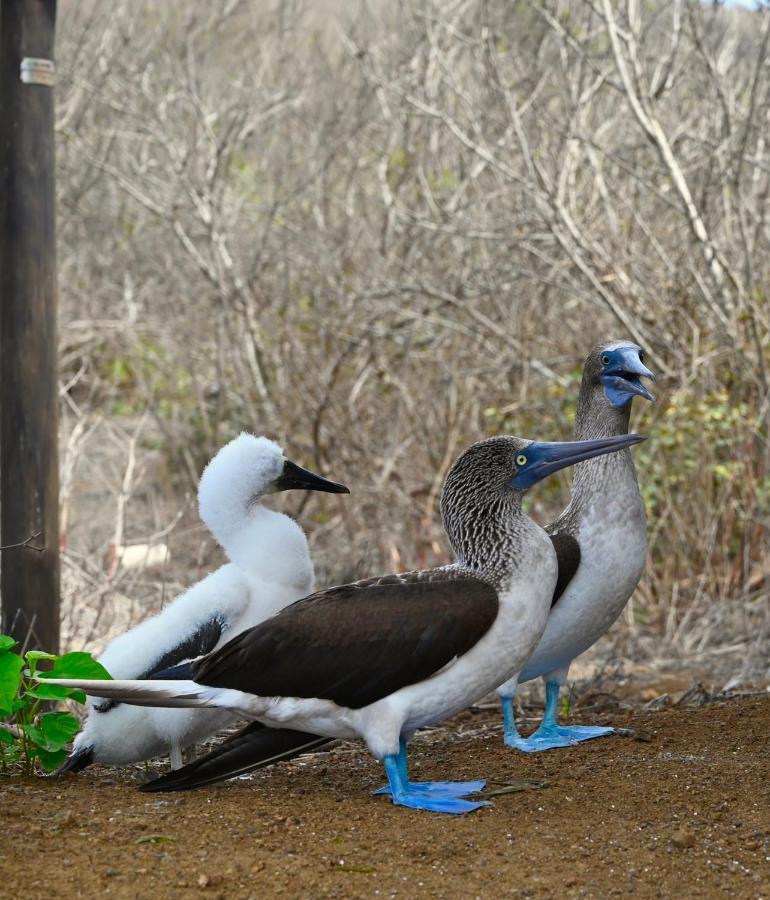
(53, 730)
(50, 760)
(10, 677)
(38, 654)
(76, 665)
(55, 692)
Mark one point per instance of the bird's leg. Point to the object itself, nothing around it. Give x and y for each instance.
(550, 734)
(511, 736)
(175, 753)
(437, 796)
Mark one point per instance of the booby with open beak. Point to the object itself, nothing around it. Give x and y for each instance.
(380, 658)
(600, 541)
(270, 566)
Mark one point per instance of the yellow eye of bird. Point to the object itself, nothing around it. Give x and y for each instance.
(521, 460)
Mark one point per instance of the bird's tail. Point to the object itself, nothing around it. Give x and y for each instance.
(251, 748)
(153, 693)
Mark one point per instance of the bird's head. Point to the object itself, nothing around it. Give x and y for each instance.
(487, 481)
(242, 472)
(258, 466)
(615, 368)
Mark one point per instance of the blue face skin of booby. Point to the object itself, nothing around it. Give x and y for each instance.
(541, 459)
(622, 368)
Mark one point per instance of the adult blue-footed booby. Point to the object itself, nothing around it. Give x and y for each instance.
(270, 567)
(380, 658)
(600, 541)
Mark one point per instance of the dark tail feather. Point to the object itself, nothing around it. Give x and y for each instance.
(173, 673)
(251, 748)
(76, 761)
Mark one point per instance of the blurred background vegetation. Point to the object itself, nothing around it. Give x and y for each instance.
(379, 231)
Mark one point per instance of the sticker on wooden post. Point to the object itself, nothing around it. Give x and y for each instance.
(37, 71)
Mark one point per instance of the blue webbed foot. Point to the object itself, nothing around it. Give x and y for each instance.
(549, 737)
(526, 745)
(433, 802)
(434, 796)
(443, 788)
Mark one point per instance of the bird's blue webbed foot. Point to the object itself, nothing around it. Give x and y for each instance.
(550, 734)
(434, 796)
(447, 788)
(441, 803)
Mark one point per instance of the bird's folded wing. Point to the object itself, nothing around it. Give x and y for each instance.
(194, 644)
(568, 556)
(357, 643)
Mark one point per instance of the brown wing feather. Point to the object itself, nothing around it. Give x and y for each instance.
(357, 643)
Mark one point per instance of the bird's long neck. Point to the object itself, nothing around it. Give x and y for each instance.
(263, 543)
(597, 418)
(272, 547)
(491, 538)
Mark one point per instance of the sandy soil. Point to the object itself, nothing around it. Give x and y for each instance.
(680, 809)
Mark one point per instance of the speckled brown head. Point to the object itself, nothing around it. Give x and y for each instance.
(481, 497)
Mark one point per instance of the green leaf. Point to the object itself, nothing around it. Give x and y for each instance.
(50, 760)
(6, 737)
(55, 692)
(38, 654)
(7, 642)
(53, 730)
(76, 665)
(11, 753)
(35, 734)
(154, 839)
(10, 676)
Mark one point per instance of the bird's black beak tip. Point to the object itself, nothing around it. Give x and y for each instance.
(294, 477)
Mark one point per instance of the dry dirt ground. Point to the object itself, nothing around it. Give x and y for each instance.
(680, 809)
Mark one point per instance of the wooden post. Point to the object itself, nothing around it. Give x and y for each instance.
(29, 467)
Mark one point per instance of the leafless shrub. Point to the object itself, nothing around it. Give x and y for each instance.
(383, 232)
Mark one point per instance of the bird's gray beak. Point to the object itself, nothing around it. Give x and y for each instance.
(294, 477)
(545, 458)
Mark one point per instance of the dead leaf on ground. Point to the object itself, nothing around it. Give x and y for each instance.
(511, 787)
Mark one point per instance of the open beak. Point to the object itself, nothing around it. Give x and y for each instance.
(629, 386)
(626, 374)
(77, 761)
(547, 458)
(294, 477)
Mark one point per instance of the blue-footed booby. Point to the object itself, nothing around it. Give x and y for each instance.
(270, 567)
(600, 541)
(379, 658)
